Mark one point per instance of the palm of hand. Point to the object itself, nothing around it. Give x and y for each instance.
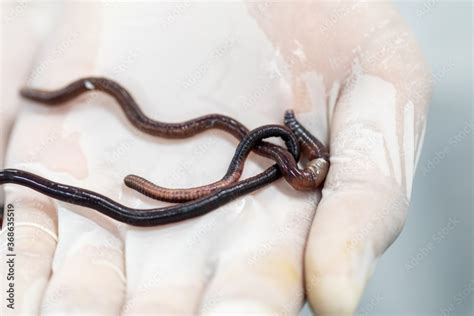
(348, 89)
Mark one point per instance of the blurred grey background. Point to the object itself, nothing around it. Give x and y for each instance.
(429, 268)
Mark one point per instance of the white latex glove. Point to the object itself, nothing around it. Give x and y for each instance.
(351, 71)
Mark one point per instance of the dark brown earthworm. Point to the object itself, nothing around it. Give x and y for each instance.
(310, 145)
(156, 216)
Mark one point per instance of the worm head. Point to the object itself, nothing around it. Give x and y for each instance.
(319, 167)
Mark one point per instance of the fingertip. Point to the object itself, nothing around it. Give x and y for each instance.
(337, 289)
(351, 230)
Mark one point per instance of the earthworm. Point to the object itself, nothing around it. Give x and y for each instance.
(155, 216)
(301, 179)
(168, 130)
(310, 145)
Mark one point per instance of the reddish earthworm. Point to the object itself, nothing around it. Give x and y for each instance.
(301, 179)
(167, 130)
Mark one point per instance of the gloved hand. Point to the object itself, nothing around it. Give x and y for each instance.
(353, 74)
